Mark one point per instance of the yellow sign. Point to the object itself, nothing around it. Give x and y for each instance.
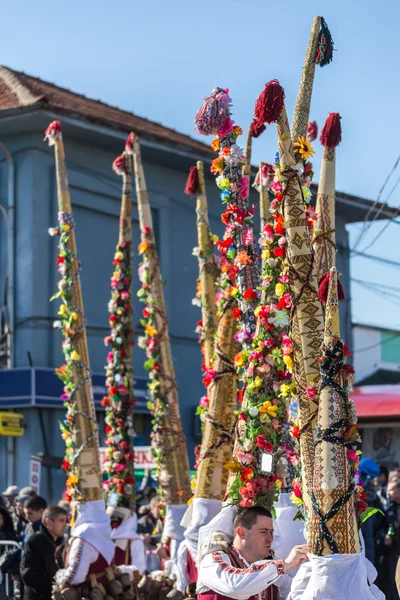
(11, 424)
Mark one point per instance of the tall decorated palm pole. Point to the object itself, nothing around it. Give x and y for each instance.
(168, 439)
(306, 320)
(319, 52)
(324, 228)
(79, 430)
(91, 529)
(119, 402)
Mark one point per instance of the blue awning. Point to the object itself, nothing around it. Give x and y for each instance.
(31, 387)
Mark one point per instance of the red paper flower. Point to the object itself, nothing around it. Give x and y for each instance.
(250, 295)
(236, 313)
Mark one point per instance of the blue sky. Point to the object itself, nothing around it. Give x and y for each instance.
(159, 59)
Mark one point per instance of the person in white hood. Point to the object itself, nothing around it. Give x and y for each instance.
(130, 553)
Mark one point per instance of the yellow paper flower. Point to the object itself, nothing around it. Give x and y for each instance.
(266, 254)
(279, 289)
(233, 466)
(118, 255)
(142, 247)
(239, 360)
(285, 390)
(269, 408)
(62, 310)
(278, 484)
(288, 362)
(75, 355)
(304, 148)
(214, 238)
(66, 227)
(72, 480)
(223, 183)
(74, 316)
(150, 330)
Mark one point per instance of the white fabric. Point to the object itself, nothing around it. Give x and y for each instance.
(287, 533)
(80, 556)
(187, 517)
(182, 578)
(222, 522)
(336, 576)
(93, 526)
(127, 532)
(172, 524)
(240, 586)
(203, 512)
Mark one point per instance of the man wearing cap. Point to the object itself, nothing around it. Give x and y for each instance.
(246, 568)
(10, 494)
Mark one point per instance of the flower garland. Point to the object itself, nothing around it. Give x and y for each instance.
(239, 261)
(73, 373)
(119, 402)
(151, 343)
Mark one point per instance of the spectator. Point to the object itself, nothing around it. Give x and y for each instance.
(10, 494)
(7, 532)
(38, 564)
(150, 525)
(392, 539)
(381, 483)
(33, 509)
(369, 470)
(20, 521)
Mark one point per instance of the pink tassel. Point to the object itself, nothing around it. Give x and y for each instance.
(213, 113)
(119, 165)
(192, 183)
(129, 144)
(331, 134)
(53, 132)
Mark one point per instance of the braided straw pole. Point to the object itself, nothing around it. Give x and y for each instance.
(207, 282)
(332, 482)
(216, 446)
(88, 461)
(324, 229)
(247, 152)
(306, 313)
(263, 204)
(303, 101)
(119, 404)
(175, 476)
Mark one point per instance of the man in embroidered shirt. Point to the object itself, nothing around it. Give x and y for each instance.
(246, 568)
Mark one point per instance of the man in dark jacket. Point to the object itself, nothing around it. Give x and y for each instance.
(33, 509)
(38, 564)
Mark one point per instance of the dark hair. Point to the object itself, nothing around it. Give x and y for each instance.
(52, 512)
(8, 526)
(246, 517)
(383, 470)
(36, 503)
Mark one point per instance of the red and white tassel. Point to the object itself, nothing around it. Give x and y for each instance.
(119, 165)
(53, 132)
(129, 144)
(192, 183)
(331, 134)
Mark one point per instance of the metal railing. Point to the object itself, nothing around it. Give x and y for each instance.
(8, 583)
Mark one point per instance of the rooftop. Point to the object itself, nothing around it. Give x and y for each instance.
(23, 94)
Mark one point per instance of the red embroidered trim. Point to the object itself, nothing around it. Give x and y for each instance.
(252, 569)
(75, 566)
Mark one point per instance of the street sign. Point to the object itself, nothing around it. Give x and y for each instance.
(34, 473)
(11, 424)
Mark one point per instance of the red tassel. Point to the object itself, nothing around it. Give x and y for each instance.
(269, 104)
(256, 130)
(324, 287)
(331, 134)
(312, 131)
(192, 183)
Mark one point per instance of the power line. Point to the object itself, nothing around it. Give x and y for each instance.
(392, 337)
(365, 226)
(385, 261)
(387, 295)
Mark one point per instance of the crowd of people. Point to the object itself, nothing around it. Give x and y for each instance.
(41, 532)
